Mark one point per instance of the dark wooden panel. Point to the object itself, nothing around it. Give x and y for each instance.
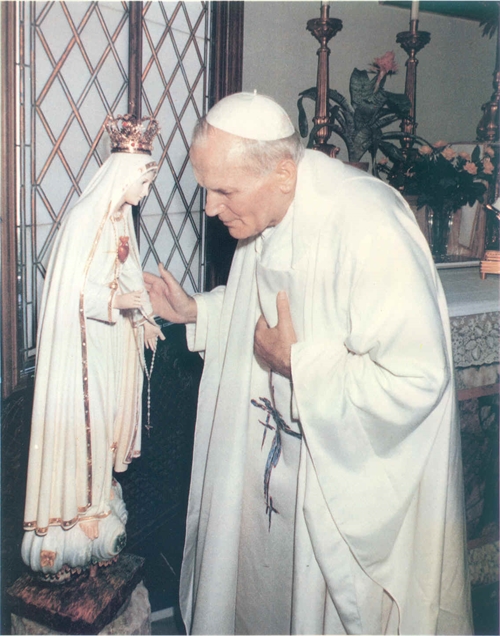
(225, 78)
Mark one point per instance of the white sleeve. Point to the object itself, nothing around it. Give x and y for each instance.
(209, 306)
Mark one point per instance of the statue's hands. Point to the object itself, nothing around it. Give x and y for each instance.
(274, 345)
(131, 300)
(151, 335)
(168, 299)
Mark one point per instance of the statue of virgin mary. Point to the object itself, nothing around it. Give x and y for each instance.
(95, 319)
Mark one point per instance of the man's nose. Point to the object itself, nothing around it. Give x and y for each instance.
(212, 204)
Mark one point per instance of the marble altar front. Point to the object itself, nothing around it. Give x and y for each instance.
(473, 306)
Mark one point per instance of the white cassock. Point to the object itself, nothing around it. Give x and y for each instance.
(348, 516)
(88, 387)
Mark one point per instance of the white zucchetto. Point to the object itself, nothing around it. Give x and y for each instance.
(251, 116)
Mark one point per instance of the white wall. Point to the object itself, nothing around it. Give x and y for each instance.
(455, 70)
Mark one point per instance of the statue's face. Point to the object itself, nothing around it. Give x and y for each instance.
(139, 188)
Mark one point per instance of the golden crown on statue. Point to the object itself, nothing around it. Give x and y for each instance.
(129, 134)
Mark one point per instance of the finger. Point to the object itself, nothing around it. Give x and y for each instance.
(285, 321)
(167, 276)
(261, 323)
(149, 278)
(161, 336)
(283, 307)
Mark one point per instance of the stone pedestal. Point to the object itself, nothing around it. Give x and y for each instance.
(106, 600)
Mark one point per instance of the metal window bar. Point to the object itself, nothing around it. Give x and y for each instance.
(197, 21)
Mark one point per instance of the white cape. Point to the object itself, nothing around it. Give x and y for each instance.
(380, 480)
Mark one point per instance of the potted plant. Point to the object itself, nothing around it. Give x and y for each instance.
(361, 123)
(443, 181)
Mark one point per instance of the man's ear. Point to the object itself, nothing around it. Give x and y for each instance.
(286, 174)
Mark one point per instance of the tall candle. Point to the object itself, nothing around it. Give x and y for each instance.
(414, 10)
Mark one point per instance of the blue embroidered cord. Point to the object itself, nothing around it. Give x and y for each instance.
(275, 452)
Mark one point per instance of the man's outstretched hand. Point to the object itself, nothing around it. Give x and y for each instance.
(273, 345)
(168, 299)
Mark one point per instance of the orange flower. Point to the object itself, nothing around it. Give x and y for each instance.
(385, 65)
(470, 167)
(464, 155)
(448, 153)
(440, 144)
(425, 150)
(489, 151)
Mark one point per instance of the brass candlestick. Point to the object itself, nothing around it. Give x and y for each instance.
(323, 29)
(487, 129)
(411, 41)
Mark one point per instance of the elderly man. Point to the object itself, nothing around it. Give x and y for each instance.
(326, 493)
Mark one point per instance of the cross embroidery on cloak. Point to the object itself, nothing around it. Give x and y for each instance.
(275, 452)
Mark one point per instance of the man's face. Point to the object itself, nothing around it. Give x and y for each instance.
(246, 203)
(139, 188)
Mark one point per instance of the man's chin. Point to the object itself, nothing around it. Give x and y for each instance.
(241, 233)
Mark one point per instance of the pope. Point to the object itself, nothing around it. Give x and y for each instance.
(326, 493)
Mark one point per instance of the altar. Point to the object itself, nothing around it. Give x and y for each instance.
(473, 306)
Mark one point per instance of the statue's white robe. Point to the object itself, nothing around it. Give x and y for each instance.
(88, 389)
(379, 526)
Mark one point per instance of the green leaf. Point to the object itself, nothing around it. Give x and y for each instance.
(391, 151)
(333, 113)
(386, 120)
(337, 97)
(360, 87)
(310, 93)
(399, 102)
(303, 125)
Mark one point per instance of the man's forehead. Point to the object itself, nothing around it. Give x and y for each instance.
(221, 171)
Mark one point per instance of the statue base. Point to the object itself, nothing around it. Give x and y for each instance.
(107, 600)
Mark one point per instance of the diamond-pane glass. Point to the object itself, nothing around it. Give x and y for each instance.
(71, 72)
(174, 89)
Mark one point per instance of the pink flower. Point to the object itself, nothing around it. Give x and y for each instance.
(489, 151)
(425, 150)
(464, 155)
(470, 167)
(385, 65)
(440, 144)
(448, 153)
(488, 167)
